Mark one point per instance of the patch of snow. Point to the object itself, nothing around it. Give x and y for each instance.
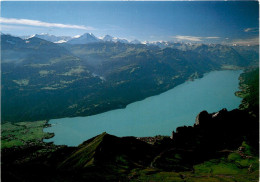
(76, 36)
(31, 36)
(60, 41)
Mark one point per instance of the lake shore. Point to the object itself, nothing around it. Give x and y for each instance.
(156, 115)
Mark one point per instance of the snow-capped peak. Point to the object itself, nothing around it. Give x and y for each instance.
(48, 37)
(84, 39)
(88, 34)
(145, 42)
(135, 42)
(31, 36)
(81, 39)
(108, 38)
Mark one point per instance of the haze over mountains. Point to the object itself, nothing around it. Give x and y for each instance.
(100, 75)
(87, 38)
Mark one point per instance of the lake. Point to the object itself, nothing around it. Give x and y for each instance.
(156, 115)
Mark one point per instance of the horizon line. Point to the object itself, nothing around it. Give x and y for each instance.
(132, 1)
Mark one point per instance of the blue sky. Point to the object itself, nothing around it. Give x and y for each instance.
(152, 21)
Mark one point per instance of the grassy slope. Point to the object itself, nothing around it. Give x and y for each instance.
(237, 166)
(22, 133)
(84, 157)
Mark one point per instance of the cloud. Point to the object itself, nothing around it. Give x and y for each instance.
(251, 30)
(192, 38)
(42, 24)
(12, 27)
(248, 41)
(210, 37)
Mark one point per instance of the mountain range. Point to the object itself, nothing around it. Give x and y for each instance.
(45, 77)
(79, 39)
(103, 75)
(88, 38)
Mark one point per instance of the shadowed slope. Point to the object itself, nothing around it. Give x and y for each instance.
(105, 149)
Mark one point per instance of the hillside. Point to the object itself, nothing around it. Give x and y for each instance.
(249, 85)
(220, 146)
(37, 74)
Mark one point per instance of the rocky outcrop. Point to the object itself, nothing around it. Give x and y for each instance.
(202, 117)
(211, 133)
(218, 130)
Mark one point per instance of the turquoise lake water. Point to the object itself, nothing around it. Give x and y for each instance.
(156, 115)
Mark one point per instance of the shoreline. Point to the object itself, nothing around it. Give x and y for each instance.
(178, 124)
(124, 106)
(47, 125)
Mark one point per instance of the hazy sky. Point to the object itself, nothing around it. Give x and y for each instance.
(190, 21)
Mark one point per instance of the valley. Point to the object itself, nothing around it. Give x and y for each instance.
(194, 153)
(100, 76)
(129, 91)
(156, 115)
(35, 90)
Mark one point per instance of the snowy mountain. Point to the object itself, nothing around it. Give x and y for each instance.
(80, 39)
(48, 37)
(135, 42)
(121, 40)
(84, 39)
(108, 38)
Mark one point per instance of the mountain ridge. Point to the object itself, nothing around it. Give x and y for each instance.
(97, 77)
(108, 38)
